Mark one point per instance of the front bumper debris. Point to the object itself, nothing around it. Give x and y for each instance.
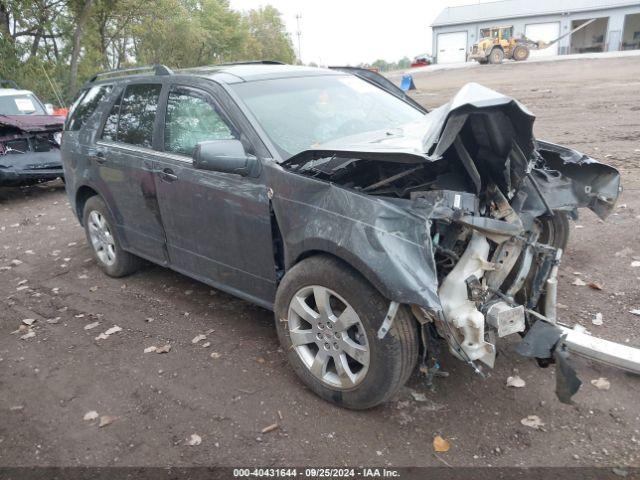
(579, 342)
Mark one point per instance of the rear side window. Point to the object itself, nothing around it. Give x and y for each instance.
(85, 105)
(131, 119)
(110, 130)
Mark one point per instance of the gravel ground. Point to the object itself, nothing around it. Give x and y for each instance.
(157, 401)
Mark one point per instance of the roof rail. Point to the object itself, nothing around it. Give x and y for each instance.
(229, 64)
(254, 62)
(157, 70)
(11, 83)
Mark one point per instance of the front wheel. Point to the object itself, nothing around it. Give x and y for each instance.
(496, 56)
(327, 318)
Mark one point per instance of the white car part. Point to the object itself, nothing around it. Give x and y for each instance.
(602, 351)
(467, 322)
(506, 319)
(552, 290)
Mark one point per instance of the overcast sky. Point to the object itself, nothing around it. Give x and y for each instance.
(353, 31)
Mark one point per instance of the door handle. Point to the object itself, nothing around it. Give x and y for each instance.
(168, 175)
(98, 157)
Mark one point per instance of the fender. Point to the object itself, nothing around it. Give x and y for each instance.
(389, 245)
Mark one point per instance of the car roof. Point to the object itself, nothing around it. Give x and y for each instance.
(8, 92)
(230, 73)
(252, 72)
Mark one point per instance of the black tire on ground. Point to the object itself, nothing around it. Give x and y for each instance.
(392, 359)
(496, 56)
(520, 53)
(125, 262)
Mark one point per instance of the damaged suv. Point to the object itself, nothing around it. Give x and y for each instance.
(375, 230)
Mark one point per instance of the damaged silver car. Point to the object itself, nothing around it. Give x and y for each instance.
(376, 231)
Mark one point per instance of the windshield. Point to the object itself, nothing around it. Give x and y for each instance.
(300, 113)
(25, 104)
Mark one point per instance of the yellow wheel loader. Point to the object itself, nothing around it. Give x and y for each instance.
(498, 43)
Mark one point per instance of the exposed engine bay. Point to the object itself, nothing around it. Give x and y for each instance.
(495, 204)
(30, 149)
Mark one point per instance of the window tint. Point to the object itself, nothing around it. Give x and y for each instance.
(131, 120)
(111, 125)
(192, 118)
(85, 105)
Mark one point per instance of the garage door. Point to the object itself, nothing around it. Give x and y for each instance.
(543, 31)
(452, 47)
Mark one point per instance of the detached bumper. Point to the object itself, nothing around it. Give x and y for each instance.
(601, 350)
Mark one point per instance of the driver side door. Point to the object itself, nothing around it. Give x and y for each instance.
(217, 225)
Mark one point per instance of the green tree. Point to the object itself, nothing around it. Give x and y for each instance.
(404, 63)
(268, 38)
(71, 40)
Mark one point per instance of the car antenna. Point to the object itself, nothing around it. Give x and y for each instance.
(55, 91)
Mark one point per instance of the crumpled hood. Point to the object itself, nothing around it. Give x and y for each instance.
(33, 123)
(429, 138)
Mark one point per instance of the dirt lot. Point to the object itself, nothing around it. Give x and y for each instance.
(49, 382)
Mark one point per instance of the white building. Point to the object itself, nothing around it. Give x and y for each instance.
(617, 26)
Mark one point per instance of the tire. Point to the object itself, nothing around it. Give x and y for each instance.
(496, 56)
(104, 242)
(389, 362)
(482, 61)
(520, 53)
(555, 230)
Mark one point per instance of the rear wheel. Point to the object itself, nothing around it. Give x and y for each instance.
(496, 56)
(520, 53)
(101, 235)
(327, 318)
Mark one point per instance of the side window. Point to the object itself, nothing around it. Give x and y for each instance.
(110, 130)
(85, 105)
(131, 118)
(192, 118)
(137, 114)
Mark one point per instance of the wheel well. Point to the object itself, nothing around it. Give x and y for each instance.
(369, 276)
(83, 194)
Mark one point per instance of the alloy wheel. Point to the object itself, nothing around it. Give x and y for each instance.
(328, 336)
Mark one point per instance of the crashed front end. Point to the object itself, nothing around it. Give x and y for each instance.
(465, 222)
(30, 149)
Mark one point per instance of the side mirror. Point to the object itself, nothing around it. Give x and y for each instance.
(227, 156)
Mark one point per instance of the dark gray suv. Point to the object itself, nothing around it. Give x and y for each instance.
(372, 228)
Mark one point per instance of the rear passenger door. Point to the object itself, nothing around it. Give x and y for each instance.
(217, 224)
(124, 159)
